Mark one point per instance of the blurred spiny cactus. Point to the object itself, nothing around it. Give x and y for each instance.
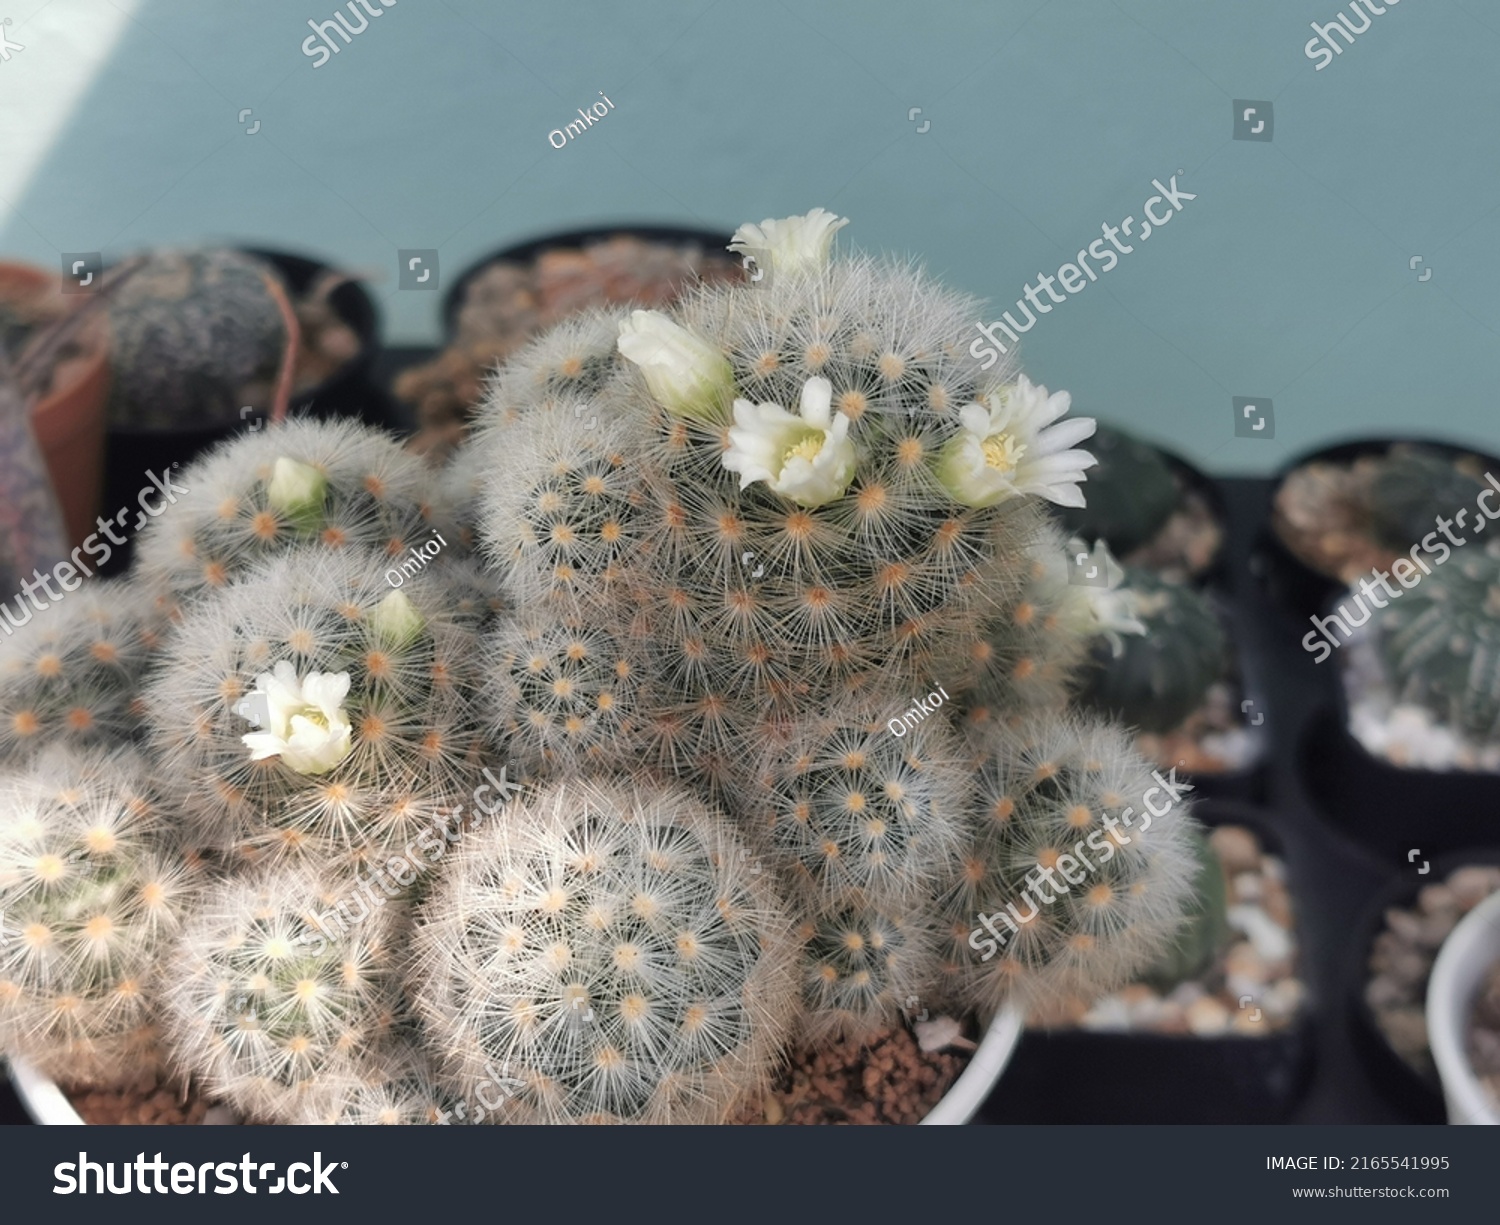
(1410, 488)
(1131, 493)
(609, 948)
(336, 484)
(93, 888)
(195, 336)
(75, 674)
(1440, 642)
(314, 711)
(1153, 681)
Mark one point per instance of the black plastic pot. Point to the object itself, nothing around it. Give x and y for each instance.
(1418, 1096)
(1081, 1076)
(564, 240)
(1392, 809)
(1296, 587)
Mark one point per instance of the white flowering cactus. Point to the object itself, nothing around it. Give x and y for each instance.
(807, 457)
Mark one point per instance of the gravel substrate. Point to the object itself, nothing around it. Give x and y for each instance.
(1402, 956)
(1252, 989)
(1214, 739)
(887, 1079)
(154, 1103)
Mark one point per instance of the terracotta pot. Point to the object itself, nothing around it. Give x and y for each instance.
(69, 420)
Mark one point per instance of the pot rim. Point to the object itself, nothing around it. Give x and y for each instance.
(49, 1105)
(1468, 953)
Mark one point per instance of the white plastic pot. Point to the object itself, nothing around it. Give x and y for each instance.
(47, 1104)
(1471, 950)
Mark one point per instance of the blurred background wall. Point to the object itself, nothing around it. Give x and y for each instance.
(1347, 267)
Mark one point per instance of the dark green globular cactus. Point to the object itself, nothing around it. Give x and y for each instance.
(1131, 493)
(1158, 679)
(195, 337)
(1441, 642)
(1206, 932)
(1410, 489)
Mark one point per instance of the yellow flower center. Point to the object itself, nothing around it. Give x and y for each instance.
(807, 449)
(1003, 453)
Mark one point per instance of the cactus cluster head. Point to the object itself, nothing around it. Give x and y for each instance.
(613, 953)
(93, 889)
(336, 484)
(1078, 869)
(1440, 643)
(194, 336)
(1409, 488)
(74, 674)
(1153, 681)
(270, 1010)
(863, 966)
(314, 710)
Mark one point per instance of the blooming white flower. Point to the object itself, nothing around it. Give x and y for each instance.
(1006, 448)
(687, 375)
(808, 458)
(791, 244)
(305, 722)
(296, 489)
(1105, 611)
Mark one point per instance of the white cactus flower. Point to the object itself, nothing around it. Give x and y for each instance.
(686, 374)
(807, 458)
(305, 723)
(1106, 611)
(791, 244)
(1009, 446)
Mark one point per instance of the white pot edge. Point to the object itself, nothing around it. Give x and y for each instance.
(1471, 948)
(44, 1101)
(48, 1105)
(966, 1095)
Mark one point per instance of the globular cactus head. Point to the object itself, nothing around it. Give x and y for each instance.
(74, 675)
(392, 1085)
(1132, 492)
(862, 967)
(1410, 487)
(1440, 642)
(1153, 681)
(195, 336)
(863, 803)
(336, 484)
(273, 1009)
(93, 889)
(611, 951)
(314, 710)
(1078, 870)
(563, 368)
(561, 698)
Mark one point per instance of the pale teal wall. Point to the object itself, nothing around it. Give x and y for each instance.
(1288, 275)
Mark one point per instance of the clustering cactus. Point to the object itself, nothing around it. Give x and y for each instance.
(1205, 932)
(1132, 493)
(313, 710)
(74, 675)
(1155, 680)
(92, 891)
(751, 565)
(1440, 642)
(613, 951)
(338, 484)
(195, 336)
(274, 1008)
(1078, 870)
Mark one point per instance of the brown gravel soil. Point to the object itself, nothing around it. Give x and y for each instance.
(887, 1079)
(1402, 957)
(152, 1103)
(1187, 544)
(1215, 739)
